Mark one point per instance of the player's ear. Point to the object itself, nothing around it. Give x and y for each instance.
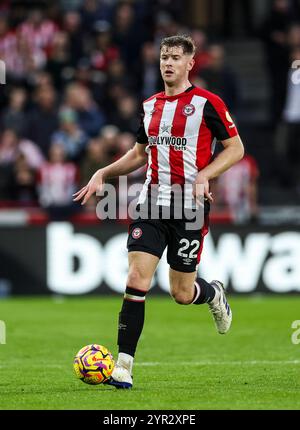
(191, 64)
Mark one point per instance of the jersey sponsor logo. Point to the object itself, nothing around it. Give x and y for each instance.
(165, 138)
(188, 110)
(228, 117)
(137, 233)
(179, 143)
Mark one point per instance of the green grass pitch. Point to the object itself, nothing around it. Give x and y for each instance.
(181, 363)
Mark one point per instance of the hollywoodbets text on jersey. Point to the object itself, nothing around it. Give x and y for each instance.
(179, 143)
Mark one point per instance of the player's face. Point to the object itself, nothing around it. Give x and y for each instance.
(174, 64)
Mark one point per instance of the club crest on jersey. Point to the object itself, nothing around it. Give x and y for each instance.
(137, 233)
(188, 110)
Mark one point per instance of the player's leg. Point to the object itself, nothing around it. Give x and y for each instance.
(146, 243)
(131, 318)
(184, 251)
(181, 286)
(186, 289)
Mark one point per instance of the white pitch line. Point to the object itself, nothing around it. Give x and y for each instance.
(216, 363)
(194, 363)
(179, 363)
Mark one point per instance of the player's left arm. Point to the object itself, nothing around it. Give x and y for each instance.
(232, 153)
(222, 127)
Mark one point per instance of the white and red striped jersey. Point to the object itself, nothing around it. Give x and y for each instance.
(56, 183)
(9, 51)
(180, 132)
(40, 37)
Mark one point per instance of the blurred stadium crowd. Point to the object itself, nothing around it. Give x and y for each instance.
(77, 72)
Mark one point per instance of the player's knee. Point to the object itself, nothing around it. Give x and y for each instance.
(181, 298)
(136, 280)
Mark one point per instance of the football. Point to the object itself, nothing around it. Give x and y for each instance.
(93, 364)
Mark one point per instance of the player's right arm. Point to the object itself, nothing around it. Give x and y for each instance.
(132, 160)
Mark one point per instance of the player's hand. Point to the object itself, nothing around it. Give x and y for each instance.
(201, 189)
(95, 185)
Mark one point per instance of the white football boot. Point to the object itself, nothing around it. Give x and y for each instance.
(220, 308)
(121, 376)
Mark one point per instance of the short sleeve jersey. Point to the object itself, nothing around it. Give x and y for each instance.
(180, 132)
